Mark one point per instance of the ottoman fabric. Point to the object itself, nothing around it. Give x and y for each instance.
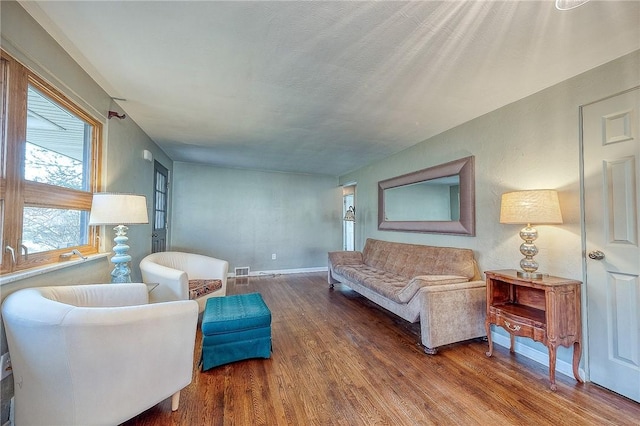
(235, 328)
(235, 313)
(240, 336)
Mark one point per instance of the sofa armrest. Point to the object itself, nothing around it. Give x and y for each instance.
(420, 281)
(345, 258)
(454, 286)
(452, 313)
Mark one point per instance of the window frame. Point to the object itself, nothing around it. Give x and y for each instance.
(15, 191)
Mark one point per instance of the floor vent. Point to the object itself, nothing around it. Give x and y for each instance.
(242, 272)
(242, 276)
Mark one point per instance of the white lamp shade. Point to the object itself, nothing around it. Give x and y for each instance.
(539, 206)
(118, 209)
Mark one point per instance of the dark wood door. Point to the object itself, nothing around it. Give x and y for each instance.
(160, 208)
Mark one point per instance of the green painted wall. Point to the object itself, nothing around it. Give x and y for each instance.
(124, 169)
(244, 216)
(530, 144)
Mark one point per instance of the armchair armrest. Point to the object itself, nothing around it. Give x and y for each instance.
(173, 283)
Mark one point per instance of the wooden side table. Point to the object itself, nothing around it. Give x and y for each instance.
(546, 310)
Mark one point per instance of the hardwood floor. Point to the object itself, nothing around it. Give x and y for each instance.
(339, 359)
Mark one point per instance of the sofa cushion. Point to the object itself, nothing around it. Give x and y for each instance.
(382, 282)
(410, 260)
(392, 286)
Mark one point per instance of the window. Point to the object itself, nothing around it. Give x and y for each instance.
(49, 159)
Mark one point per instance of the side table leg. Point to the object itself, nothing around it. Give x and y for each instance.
(487, 327)
(577, 353)
(513, 341)
(552, 367)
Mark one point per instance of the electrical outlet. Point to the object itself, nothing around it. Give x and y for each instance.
(5, 365)
(273, 256)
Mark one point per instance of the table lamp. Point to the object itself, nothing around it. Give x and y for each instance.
(539, 206)
(350, 215)
(120, 210)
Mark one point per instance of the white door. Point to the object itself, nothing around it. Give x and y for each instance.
(611, 145)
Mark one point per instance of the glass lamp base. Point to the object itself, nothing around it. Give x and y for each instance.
(121, 272)
(531, 275)
(528, 249)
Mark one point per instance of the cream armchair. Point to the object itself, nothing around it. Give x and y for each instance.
(96, 354)
(173, 270)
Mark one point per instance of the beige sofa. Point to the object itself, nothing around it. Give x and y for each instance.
(440, 286)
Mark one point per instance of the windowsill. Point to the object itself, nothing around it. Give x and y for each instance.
(28, 273)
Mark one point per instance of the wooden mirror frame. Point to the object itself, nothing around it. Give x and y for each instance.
(465, 169)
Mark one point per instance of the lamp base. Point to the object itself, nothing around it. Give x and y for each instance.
(531, 275)
(121, 272)
(529, 266)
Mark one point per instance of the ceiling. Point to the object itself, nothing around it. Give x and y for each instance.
(325, 87)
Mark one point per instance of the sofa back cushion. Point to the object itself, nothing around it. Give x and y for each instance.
(410, 260)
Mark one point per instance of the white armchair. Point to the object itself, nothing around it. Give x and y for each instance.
(172, 270)
(96, 354)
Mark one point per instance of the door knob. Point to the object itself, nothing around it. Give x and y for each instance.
(596, 255)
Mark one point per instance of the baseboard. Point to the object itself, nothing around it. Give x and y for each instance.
(541, 357)
(282, 271)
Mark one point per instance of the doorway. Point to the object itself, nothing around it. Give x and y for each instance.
(610, 179)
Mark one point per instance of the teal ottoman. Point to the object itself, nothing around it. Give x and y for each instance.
(235, 328)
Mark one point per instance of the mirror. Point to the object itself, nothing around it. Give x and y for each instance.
(440, 199)
(429, 200)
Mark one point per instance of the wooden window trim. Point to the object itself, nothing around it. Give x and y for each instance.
(17, 193)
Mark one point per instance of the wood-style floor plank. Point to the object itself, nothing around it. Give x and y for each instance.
(339, 359)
